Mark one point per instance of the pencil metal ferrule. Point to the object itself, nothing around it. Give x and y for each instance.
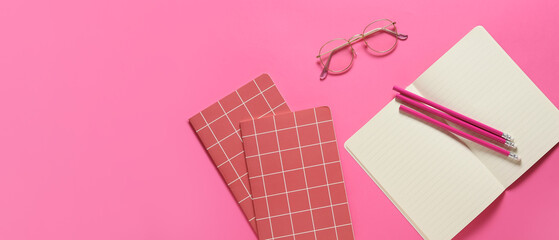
(514, 156)
(510, 144)
(507, 136)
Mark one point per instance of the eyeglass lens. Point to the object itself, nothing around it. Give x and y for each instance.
(382, 39)
(339, 59)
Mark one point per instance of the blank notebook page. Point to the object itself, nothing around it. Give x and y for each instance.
(434, 179)
(477, 78)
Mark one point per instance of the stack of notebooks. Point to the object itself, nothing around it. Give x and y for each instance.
(282, 167)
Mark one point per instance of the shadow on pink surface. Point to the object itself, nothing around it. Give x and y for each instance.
(470, 231)
(530, 171)
(483, 218)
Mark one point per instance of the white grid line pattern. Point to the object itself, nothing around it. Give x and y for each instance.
(271, 110)
(302, 211)
(283, 175)
(345, 191)
(294, 169)
(263, 183)
(299, 190)
(229, 159)
(304, 174)
(263, 96)
(289, 149)
(325, 172)
(237, 179)
(236, 131)
(246, 96)
(247, 197)
(246, 189)
(239, 130)
(304, 180)
(287, 128)
(231, 122)
(242, 151)
(321, 229)
(242, 103)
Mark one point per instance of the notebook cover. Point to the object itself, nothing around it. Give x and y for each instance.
(218, 129)
(296, 176)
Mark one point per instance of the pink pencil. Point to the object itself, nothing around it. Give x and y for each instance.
(428, 119)
(448, 117)
(453, 113)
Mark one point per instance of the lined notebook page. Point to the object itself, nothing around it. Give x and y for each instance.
(433, 178)
(477, 78)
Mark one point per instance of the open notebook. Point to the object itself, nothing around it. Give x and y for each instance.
(440, 182)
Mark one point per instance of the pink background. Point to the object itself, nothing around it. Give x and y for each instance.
(95, 98)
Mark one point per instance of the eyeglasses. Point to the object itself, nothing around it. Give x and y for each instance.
(380, 36)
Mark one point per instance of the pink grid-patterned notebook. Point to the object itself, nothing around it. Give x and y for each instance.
(218, 128)
(296, 176)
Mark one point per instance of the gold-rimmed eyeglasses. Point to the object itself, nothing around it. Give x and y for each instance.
(380, 36)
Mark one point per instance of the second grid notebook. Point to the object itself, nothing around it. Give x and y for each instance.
(296, 176)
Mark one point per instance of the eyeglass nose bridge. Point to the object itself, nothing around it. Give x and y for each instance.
(355, 37)
(352, 40)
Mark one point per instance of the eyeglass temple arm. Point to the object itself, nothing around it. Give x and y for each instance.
(362, 36)
(324, 72)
